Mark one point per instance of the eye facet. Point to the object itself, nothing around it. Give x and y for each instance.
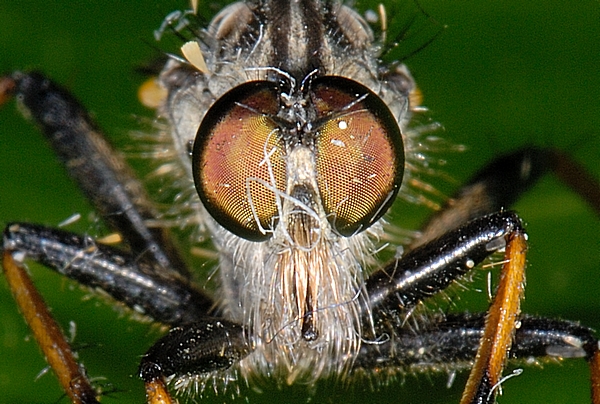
(238, 160)
(359, 153)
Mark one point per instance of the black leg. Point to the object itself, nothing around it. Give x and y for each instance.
(434, 266)
(199, 348)
(164, 297)
(100, 172)
(427, 270)
(451, 342)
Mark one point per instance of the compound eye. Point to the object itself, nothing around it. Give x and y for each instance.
(360, 155)
(238, 160)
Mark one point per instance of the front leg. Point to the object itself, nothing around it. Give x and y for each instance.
(71, 375)
(210, 345)
(433, 267)
(165, 297)
(395, 290)
(162, 296)
(451, 342)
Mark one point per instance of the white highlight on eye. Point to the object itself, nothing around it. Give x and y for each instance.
(338, 142)
(342, 125)
(192, 53)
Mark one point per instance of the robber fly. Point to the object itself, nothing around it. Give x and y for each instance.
(308, 329)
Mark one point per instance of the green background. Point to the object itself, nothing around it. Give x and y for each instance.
(502, 75)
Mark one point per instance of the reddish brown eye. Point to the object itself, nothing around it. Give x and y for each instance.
(360, 156)
(238, 160)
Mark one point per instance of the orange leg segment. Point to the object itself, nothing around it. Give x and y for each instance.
(157, 393)
(500, 325)
(48, 334)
